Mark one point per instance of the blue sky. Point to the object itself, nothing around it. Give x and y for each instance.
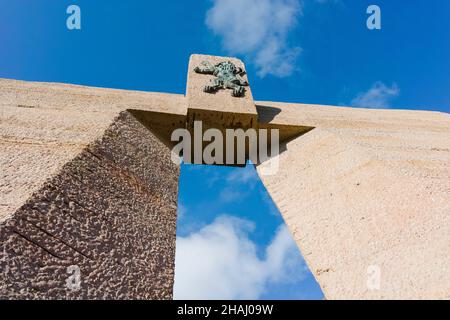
(311, 51)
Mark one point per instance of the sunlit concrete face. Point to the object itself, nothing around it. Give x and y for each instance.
(364, 193)
(366, 197)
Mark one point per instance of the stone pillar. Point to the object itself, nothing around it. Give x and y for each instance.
(366, 195)
(102, 228)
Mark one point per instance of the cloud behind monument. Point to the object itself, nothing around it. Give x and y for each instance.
(258, 30)
(220, 261)
(379, 96)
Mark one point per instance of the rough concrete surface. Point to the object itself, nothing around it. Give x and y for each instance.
(111, 212)
(360, 190)
(217, 110)
(84, 183)
(367, 193)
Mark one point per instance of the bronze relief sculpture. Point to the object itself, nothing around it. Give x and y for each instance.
(227, 76)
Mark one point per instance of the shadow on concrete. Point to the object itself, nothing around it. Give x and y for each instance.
(266, 120)
(266, 113)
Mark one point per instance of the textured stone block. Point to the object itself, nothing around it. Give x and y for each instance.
(217, 110)
(45, 125)
(111, 212)
(366, 196)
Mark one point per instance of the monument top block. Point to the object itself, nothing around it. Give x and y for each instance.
(218, 93)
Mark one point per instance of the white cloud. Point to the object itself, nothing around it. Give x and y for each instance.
(258, 29)
(240, 182)
(246, 175)
(182, 210)
(229, 195)
(221, 262)
(379, 96)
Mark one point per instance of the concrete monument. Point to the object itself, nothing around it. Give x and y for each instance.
(89, 194)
